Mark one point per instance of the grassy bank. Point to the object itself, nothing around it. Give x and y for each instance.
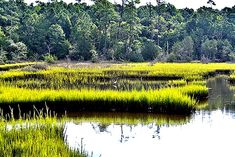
(167, 100)
(33, 137)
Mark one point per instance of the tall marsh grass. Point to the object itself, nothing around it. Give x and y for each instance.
(168, 100)
(161, 87)
(33, 137)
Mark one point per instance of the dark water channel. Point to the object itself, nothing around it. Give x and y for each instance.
(208, 132)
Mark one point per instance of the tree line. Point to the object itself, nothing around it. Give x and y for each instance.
(120, 32)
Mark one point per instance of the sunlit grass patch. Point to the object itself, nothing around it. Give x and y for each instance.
(33, 137)
(6, 67)
(169, 100)
(116, 87)
(198, 92)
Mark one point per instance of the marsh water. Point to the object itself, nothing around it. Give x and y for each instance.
(208, 132)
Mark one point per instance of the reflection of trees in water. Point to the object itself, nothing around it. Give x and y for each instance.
(220, 94)
(126, 131)
(156, 133)
(99, 128)
(125, 136)
(128, 125)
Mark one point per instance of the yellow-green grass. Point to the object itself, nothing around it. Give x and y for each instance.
(134, 84)
(6, 67)
(104, 77)
(123, 84)
(187, 71)
(169, 100)
(198, 92)
(33, 137)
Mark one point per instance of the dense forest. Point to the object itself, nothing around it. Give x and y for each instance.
(120, 32)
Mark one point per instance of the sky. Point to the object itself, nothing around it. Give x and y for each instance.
(220, 4)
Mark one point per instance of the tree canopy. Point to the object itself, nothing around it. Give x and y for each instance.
(122, 32)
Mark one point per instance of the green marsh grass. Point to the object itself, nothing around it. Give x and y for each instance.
(38, 136)
(199, 92)
(167, 100)
(134, 87)
(142, 71)
(122, 87)
(6, 67)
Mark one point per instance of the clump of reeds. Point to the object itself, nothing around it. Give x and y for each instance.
(169, 100)
(199, 92)
(35, 136)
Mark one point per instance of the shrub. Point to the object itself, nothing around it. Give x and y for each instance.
(94, 56)
(150, 50)
(49, 58)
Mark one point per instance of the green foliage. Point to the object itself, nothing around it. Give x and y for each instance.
(134, 52)
(57, 43)
(49, 58)
(94, 56)
(150, 50)
(82, 37)
(209, 48)
(3, 57)
(182, 51)
(2, 38)
(119, 50)
(18, 51)
(73, 30)
(225, 51)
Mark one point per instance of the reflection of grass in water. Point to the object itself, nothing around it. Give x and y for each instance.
(202, 105)
(39, 136)
(232, 87)
(221, 93)
(128, 118)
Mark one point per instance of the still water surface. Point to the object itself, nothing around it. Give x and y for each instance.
(209, 132)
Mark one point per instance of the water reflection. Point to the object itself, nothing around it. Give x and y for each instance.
(206, 135)
(221, 95)
(129, 118)
(115, 141)
(208, 132)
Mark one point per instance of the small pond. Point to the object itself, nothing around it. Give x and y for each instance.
(208, 132)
